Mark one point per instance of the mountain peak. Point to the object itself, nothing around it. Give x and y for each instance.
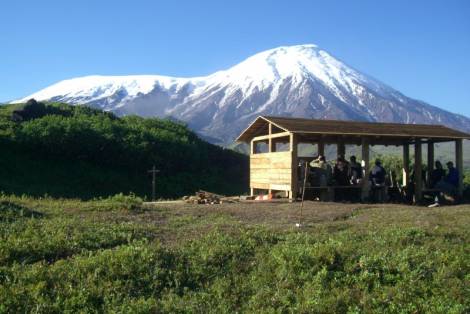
(298, 81)
(280, 62)
(296, 63)
(292, 48)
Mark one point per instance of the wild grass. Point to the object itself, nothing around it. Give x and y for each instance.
(108, 256)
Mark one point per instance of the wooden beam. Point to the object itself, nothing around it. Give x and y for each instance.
(406, 164)
(430, 161)
(365, 158)
(275, 135)
(341, 149)
(418, 171)
(459, 164)
(321, 147)
(294, 180)
(270, 138)
(252, 147)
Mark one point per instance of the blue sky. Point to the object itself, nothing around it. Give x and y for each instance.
(421, 48)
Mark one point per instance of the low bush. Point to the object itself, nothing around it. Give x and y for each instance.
(69, 262)
(77, 151)
(118, 202)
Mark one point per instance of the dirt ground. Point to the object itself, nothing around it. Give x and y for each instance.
(177, 221)
(274, 213)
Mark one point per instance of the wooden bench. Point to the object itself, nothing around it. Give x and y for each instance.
(329, 192)
(379, 193)
(444, 196)
(431, 192)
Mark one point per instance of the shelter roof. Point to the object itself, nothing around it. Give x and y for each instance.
(313, 127)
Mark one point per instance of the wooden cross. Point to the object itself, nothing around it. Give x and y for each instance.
(153, 172)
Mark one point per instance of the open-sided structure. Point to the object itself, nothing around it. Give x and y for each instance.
(274, 143)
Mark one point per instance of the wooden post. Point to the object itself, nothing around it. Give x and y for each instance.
(252, 151)
(365, 159)
(341, 149)
(418, 171)
(406, 164)
(321, 148)
(294, 177)
(430, 161)
(459, 164)
(270, 139)
(154, 171)
(270, 145)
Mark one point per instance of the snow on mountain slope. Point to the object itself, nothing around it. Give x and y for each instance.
(300, 81)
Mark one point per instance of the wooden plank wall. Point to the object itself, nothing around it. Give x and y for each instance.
(271, 171)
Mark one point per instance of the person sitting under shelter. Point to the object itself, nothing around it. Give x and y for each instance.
(448, 184)
(437, 174)
(377, 173)
(453, 176)
(341, 179)
(320, 172)
(377, 178)
(355, 171)
(341, 172)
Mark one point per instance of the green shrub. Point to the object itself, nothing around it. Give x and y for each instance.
(81, 257)
(76, 151)
(11, 211)
(118, 201)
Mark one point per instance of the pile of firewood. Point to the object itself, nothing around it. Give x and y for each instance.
(204, 197)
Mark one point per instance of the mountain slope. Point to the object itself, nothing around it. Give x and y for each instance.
(299, 81)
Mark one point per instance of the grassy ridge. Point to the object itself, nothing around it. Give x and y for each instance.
(74, 151)
(110, 255)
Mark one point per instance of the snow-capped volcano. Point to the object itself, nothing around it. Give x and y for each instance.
(299, 81)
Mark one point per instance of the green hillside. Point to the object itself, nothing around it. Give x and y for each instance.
(76, 151)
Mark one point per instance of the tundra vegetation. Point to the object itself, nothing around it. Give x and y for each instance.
(116, 255)
(77, 151)
(84, 248)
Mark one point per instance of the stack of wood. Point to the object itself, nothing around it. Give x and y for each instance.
(204, 197)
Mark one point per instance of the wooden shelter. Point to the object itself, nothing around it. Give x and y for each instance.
(274, 147)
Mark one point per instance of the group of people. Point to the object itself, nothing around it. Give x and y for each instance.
(444, 181)
(346, 173)
(343, 173)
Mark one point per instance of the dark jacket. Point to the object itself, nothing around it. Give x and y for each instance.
(377, 175)
(437, 175)
(355, 170)
(453, 177)
(340, 174)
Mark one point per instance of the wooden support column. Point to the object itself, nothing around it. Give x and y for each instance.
(418, 171)
(321, 148)
(294, 179)
(430, 161)
(459, 164)
(252, 151)
(270, 139)
(406, 164)
(341, 149)
(270, 145)
(366, 162)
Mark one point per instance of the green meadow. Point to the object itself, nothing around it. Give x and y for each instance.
(118, 255)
